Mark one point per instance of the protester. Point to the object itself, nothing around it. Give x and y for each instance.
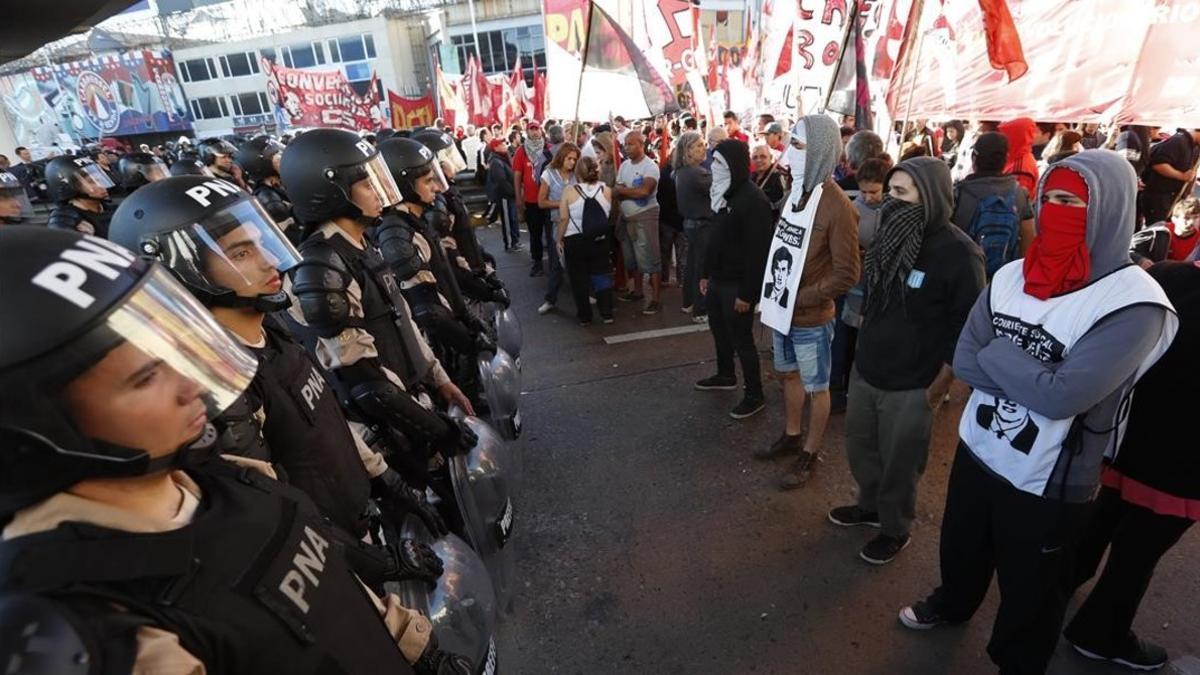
(1041, 138)
(1185, 218)
(1052, 351)
(1172, 167)
(922, 276)
(1134, 144)
(692, 184)
(1090, 136)
(1149, 496)
(559, 174)
(1021, 164)
(715, 136)
(952, 136)
(527, 164)
(501, 190)
(773, 137)
(991, 198)
(829, 268)
(733, 127)
(472, 146)
(769, 177)
(637, 183)
(734, 262)
(871, 177)
(672, 244)
(1062, 146)
(583, 233)
(863, 145)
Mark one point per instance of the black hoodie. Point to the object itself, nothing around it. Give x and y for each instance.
(903, 345)
(741, 234)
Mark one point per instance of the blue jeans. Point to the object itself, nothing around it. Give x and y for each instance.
(554, 277)
(807, 351)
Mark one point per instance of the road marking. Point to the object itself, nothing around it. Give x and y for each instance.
(651, 334)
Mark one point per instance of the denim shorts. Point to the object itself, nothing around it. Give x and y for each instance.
(808, 351)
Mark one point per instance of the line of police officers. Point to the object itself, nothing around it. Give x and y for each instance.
(228, 430)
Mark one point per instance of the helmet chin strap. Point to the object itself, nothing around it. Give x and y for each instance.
(264, 303)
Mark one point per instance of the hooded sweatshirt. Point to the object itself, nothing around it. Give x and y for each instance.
(903, 345)
(740, 236)
(1021, 162)
(1096, 375)
(831, 266)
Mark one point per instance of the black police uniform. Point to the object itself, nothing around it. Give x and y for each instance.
(67, 216)
(256, 583)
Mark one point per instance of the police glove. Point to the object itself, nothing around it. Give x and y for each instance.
(484, 342)
(458, 439)
(434, 661)
(500, 296)
(398, 498)
(413, 560)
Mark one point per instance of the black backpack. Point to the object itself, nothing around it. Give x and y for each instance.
(595, 220)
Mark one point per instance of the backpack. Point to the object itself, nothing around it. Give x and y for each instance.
(594, 223)
(996, 227)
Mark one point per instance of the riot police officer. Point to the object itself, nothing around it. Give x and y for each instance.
(349, 308)
(138, 168)
(217, 156)
(12, 199)
(123, 550)
(189, 165)
(259, 159)
(79, 188)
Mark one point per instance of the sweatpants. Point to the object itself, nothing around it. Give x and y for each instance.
(733, 332)
(1028, 542)
(589, 267)
(887, 444)
(509, 229)
(1136, 538)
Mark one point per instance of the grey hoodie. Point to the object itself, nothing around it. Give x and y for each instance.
(1099, 372)
(823, 148)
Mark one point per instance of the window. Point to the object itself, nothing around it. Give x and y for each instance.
(263, 101)
(198, 70)
(252, 103)
(352, 48)
(302, 56)
(239, 65)
(269, 54)
(335, 55)
(358, 71)
(369, 41)
(319, 50)
(499, 50)
(209, 108)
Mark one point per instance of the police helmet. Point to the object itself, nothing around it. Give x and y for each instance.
(442, 145)
(12, 191)
(70, 300)
(409, 161)
(139, 168)
(189, 166)
(211, 148)
(215, 237)
(70, 177)
(319, 168)
(257, 157)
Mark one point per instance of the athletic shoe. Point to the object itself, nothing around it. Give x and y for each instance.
(799, 472)
(630, 297)
(606, 319)
(883, 549)
(717, 383)
(652, 308)
(749, 406)
(782, 445)
(703, 318)
(585, 324)
(546, 307)
(851, 516)
(686, 310)
(922, 616)
(591, 300)
(515, 247)
(1133, 653)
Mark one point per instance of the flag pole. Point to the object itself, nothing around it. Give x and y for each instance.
(910, 72)
(850, 19)
(587, 35)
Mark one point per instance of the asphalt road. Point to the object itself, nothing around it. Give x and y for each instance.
(649, 540)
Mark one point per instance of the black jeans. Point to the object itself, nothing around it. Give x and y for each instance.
(535, 218)
(1028, 541)
(696, 232)
(733, 332)
(1136, 539)
(1157, 206)
(588, 266)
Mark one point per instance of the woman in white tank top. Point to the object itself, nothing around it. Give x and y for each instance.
(587, 258)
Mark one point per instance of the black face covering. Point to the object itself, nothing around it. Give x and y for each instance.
(895, 249)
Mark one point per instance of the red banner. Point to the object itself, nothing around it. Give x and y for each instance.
(408, 113)
(311, 98)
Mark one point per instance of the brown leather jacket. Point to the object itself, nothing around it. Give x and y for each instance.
(832, 265)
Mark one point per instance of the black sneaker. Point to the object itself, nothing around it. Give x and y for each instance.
(717, 383)
(750, 405)
(883, 549)
(652, 308)
(782, 446)
(1134, 653)
(851, 516)
(799, 472)
(537, 272)
(922, 616)
(630, 297)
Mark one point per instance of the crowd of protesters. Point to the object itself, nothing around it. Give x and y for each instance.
(998, 253)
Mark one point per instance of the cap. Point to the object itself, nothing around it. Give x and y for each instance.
(534, 125)
(773, 128)
(496, 143)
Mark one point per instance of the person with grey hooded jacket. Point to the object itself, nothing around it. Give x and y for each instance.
(1053, 349)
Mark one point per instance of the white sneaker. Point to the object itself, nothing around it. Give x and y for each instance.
(703, 318)
(686, 310)
(591, 300)
(545, 308)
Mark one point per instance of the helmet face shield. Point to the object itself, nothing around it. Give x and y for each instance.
(170, 328)
(372, 188)
(453, 158)
(238, 249)
(155, 170)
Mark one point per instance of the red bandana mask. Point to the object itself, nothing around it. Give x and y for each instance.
(1058, 261)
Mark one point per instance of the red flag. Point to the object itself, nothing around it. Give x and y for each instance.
(784, 64)
(1003, 42)
(611, 49)
(411, 112)
(539, 95)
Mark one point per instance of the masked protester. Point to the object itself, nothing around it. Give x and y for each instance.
(829, 268)
(79, 190)
(1052, 349)
(108, 378)
(733, 267)
(225, 249)
(922, 276)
